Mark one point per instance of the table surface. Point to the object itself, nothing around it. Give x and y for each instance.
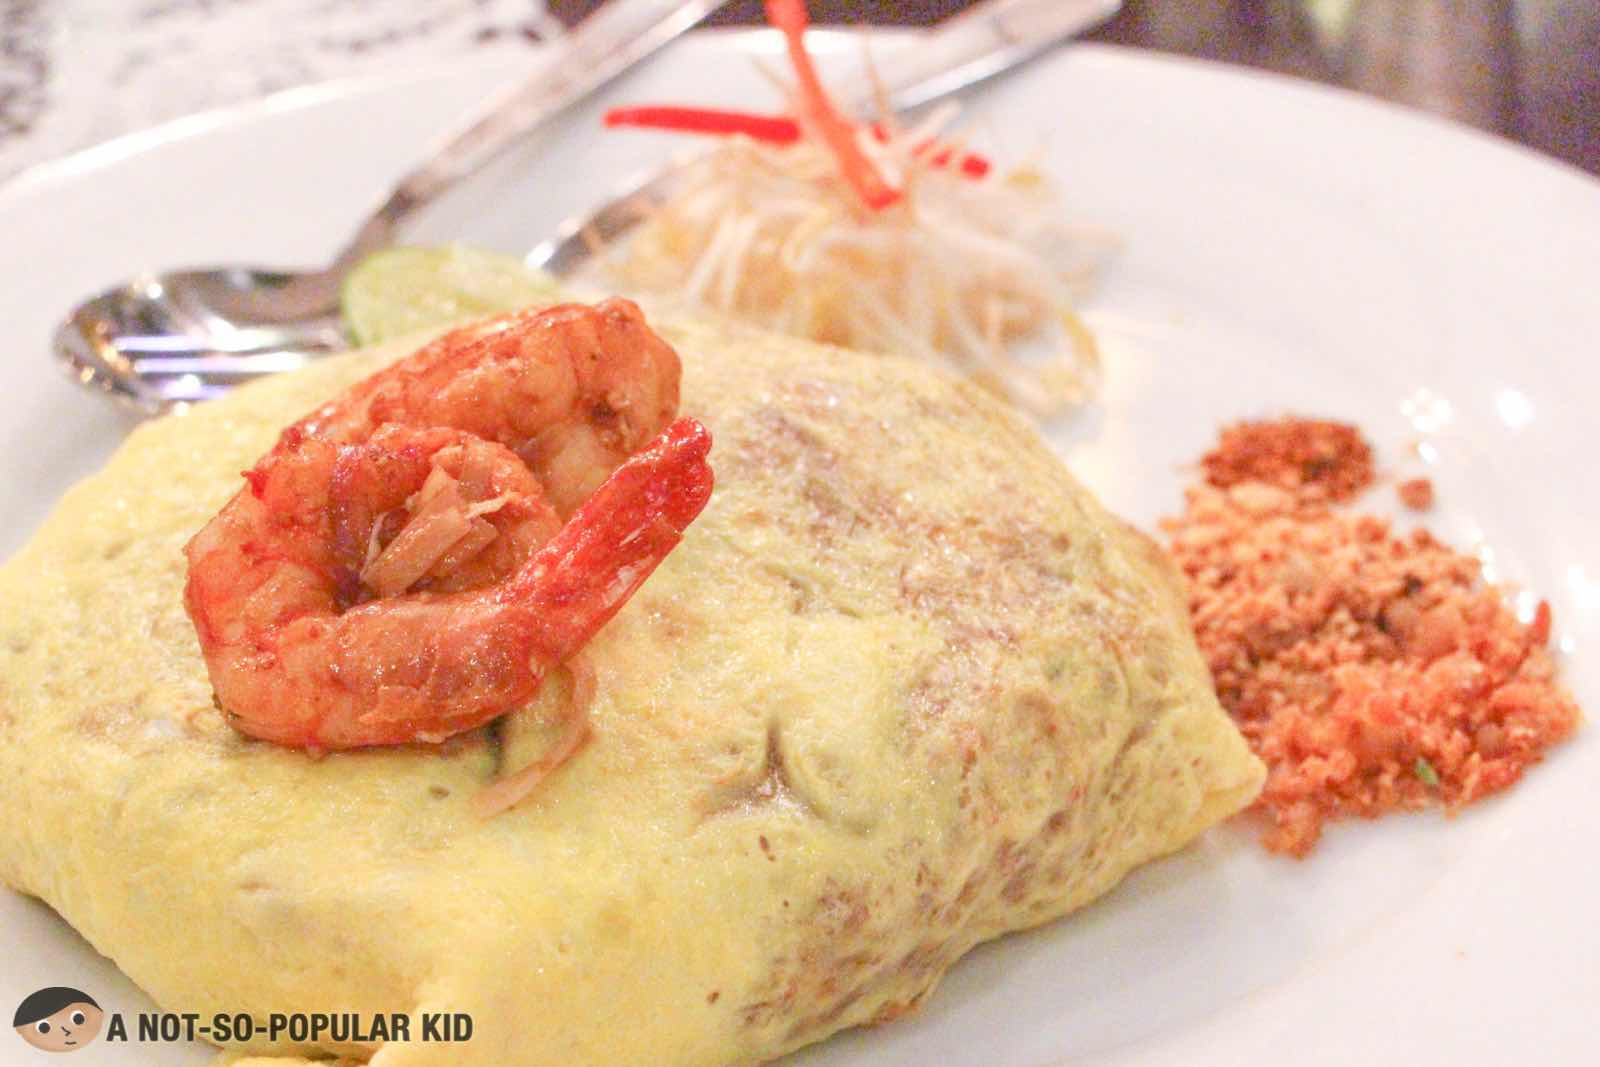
(75, 72)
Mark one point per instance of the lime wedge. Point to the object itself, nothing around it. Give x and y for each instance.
(403, 290)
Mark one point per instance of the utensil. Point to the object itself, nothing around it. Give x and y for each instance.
(984, 41)
(165, 339)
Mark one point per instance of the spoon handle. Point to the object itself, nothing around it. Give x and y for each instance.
(605, 44)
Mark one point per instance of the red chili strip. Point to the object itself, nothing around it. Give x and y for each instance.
(971, 164)
(790, 17)
(771, 129)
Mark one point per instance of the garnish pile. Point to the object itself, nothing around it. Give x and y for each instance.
(871, 235)
(1372, 671)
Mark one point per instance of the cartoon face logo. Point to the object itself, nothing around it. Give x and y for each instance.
(58, 1019)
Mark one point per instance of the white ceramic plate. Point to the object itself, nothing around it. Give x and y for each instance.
(1287, 247)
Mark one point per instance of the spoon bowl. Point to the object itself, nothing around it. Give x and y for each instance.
(162, 340)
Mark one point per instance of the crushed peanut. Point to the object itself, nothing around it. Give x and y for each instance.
(1316, 457)
(1372, 671)
(1416, 493)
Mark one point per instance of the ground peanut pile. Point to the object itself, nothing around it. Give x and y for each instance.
(1372, 672)
(1312, 457)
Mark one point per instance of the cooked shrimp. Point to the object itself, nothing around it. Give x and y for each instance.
(572, 390)
(438, 510)
(293, 662)
(397, 570)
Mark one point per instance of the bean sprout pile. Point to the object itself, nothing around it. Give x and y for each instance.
(876, 236)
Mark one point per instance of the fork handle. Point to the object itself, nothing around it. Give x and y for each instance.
(985, 40)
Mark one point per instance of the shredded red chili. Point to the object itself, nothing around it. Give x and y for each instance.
(771, 129)
(790, 17)
(840, 134)
(971, 164)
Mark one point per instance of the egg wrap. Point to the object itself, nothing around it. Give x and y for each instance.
(905, 686)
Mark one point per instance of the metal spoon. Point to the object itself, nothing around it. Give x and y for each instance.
(163, 341)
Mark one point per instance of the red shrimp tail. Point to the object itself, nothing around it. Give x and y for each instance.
(589, 570)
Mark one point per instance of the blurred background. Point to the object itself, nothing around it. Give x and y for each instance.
(76, 72)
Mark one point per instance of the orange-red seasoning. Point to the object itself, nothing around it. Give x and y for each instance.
(1371, 671)
(1314, 457)
(1416, 493)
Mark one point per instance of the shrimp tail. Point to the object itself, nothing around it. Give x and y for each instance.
(588, 570)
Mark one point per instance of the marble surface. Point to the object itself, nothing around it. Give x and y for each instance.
(77, 72)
